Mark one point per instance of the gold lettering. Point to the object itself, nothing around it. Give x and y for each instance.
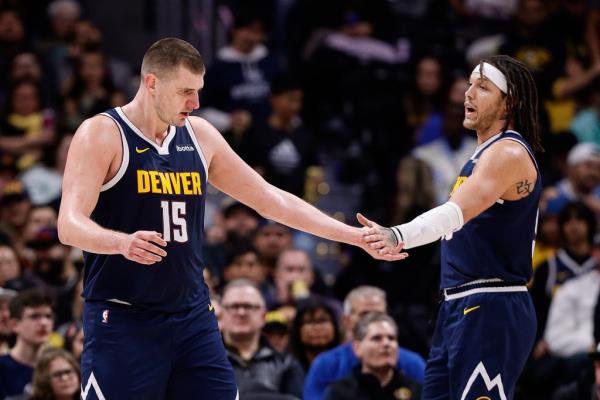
(196, 183)
(185, 182)
(175, 180)
(143, 181)
(154, 182)
(165, 183)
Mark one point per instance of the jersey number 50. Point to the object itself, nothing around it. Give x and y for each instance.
(174, 223)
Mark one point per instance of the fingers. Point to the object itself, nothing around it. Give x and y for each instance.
(363, 220)
(144, 247)
(153, 237)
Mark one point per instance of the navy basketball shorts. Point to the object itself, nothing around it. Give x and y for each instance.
(482, 339)
(132, 353)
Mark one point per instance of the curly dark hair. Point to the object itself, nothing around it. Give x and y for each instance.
(522, 99)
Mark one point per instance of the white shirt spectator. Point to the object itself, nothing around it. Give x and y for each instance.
(570, 326)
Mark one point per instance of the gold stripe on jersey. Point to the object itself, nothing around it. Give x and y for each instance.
(186, 183)
(459, 181)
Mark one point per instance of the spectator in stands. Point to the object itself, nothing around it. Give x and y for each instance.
(244, 263)
(6, 335)
(32, 321)
(91, 90)
(261, 372)
(56, 376)
(231, 228)
(54, 270)
(237, 93)
(338, 362)
(577, 227)
(570, 326)
(29, 127)
(14, 208)
(377, 377)
(270, 239)
(581, 183)
(314, 330)
(282, 149)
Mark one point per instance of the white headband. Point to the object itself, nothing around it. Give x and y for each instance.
(493, 74)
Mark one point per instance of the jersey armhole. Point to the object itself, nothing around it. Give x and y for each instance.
(124, 159)
(190, 130)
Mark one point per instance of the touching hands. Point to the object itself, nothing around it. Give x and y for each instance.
(380, 242)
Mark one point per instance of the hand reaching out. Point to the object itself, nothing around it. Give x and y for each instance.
(380, 242)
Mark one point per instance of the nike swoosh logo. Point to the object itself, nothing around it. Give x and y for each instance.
(468, 310)
(142, 150)
(210, 307)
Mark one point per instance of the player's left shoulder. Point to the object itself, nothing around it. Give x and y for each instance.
(206, 134)
(509, 152)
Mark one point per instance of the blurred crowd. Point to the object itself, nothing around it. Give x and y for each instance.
(317, 96)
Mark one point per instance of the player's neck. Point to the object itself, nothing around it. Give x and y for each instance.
(144, 117)
(491, 130)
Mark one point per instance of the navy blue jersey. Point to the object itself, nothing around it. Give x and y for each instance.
(498, 243)
(157, 188)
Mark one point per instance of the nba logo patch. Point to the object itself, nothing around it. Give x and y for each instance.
(105, 317)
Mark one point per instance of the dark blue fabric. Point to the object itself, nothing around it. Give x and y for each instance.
(144, 354)
(14, 376)
(498, 243)
(495, 338)
(140, 200)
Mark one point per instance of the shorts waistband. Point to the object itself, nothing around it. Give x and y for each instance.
(482, 286)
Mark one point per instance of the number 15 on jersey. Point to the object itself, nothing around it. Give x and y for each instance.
(174, 223)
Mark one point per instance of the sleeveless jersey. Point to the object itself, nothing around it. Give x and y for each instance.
(157, 188)
(498, 243)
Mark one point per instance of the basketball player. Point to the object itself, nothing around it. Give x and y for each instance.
(133, 200)
(486, 324)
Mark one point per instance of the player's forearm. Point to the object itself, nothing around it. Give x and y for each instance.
(296, 213)
(82, 232)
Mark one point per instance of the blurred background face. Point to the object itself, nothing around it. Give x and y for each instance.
(35, 325)
(11, 27)
(38, 218)
(379, 348)
(25, 99)
(531, 13)
(317, 329)
(246, 38)
(14, 212)
(64, 380)
(9, 265)
(575, 230)
(247, 266)
(240, 223)
(5, 330)
(288, 104)
(26, 66)
(243, 311)
(362, 305)
(272, 239)
(294, 266)
(586, 175)
(429, 76)
(92, 67)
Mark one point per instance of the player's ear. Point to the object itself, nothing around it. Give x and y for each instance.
(150, 81)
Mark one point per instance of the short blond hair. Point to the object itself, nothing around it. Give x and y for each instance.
(167, 54)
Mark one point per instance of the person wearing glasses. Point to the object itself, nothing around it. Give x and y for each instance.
(56, 376)
(260, 371)
(32, 321)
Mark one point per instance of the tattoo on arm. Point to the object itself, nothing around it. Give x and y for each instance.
(524, 187)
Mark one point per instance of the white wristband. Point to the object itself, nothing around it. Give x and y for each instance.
(430, 226)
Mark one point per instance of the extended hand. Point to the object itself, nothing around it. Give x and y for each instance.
(380, 242)
(141, 247)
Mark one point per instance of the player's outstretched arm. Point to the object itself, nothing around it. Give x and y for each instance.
(230, 174)
(94, 152)
(505, 171)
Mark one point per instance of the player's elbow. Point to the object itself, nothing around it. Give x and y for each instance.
(64, 231)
